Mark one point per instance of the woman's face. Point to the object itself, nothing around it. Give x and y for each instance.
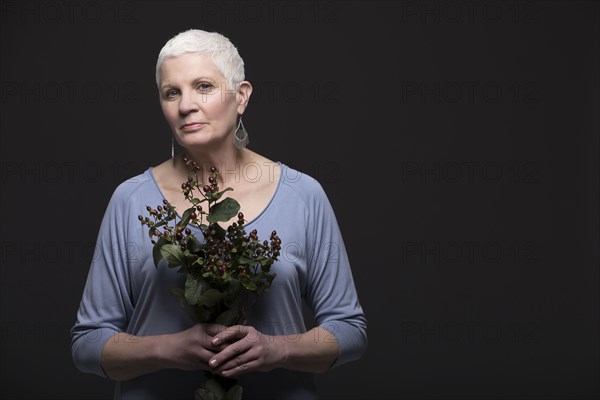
(197, 103)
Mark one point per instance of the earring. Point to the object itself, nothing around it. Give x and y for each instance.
(240, 137)
(172, 147)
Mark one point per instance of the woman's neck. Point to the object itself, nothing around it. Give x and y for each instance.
(229, 164)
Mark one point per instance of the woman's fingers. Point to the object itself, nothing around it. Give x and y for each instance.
(243, 367)
(247, 350)
(231, 334)
(233, 351)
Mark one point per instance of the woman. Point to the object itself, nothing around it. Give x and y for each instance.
(130, 328)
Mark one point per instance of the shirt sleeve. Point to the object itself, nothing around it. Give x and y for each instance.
(331, 292)
(106, 304)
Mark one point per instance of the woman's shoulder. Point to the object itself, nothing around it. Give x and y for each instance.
(141, 186)
(303, 185)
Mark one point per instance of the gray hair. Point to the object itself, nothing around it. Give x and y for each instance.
(216, 46)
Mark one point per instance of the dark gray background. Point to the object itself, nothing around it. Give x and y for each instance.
(457, 141)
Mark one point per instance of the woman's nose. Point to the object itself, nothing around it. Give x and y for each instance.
(189, 102)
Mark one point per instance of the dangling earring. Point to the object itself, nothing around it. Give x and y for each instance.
(172, 147)
(240, 137)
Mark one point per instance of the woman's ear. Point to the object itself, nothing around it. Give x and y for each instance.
(242, 95)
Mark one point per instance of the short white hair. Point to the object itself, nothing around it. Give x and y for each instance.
(216, 46)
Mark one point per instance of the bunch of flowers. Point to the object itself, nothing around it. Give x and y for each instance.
(225, 269)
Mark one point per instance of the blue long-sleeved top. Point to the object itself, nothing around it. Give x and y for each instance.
(124, 291)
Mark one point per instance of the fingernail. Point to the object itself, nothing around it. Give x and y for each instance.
(216, 341)
(213, 362)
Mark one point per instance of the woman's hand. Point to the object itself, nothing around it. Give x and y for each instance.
(126, 356)
(245, 349)
(193, 348)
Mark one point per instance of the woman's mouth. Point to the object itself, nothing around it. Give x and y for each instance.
(192, 126)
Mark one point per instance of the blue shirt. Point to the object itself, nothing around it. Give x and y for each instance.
(125, 292)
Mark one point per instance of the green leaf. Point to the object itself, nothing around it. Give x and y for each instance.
(234, 393)
(193, 244)
(205, 394)
(160, 223)
(199, 313)
(245, 260)
(210, 297)
(235, 304)
(198, 261)
(220, 232)
(194, 288)
(173, 254)
(213, 386)
(196, 201)
(217, 196)
(223, 211)
(185, 218)
(156, 253)
(234, 287)
(267, 262)
(249, 285)
(226, 318)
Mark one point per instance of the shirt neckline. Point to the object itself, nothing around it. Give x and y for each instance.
(258, 216)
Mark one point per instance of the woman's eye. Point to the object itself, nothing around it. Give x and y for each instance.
(205, 87)
(171, 93)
